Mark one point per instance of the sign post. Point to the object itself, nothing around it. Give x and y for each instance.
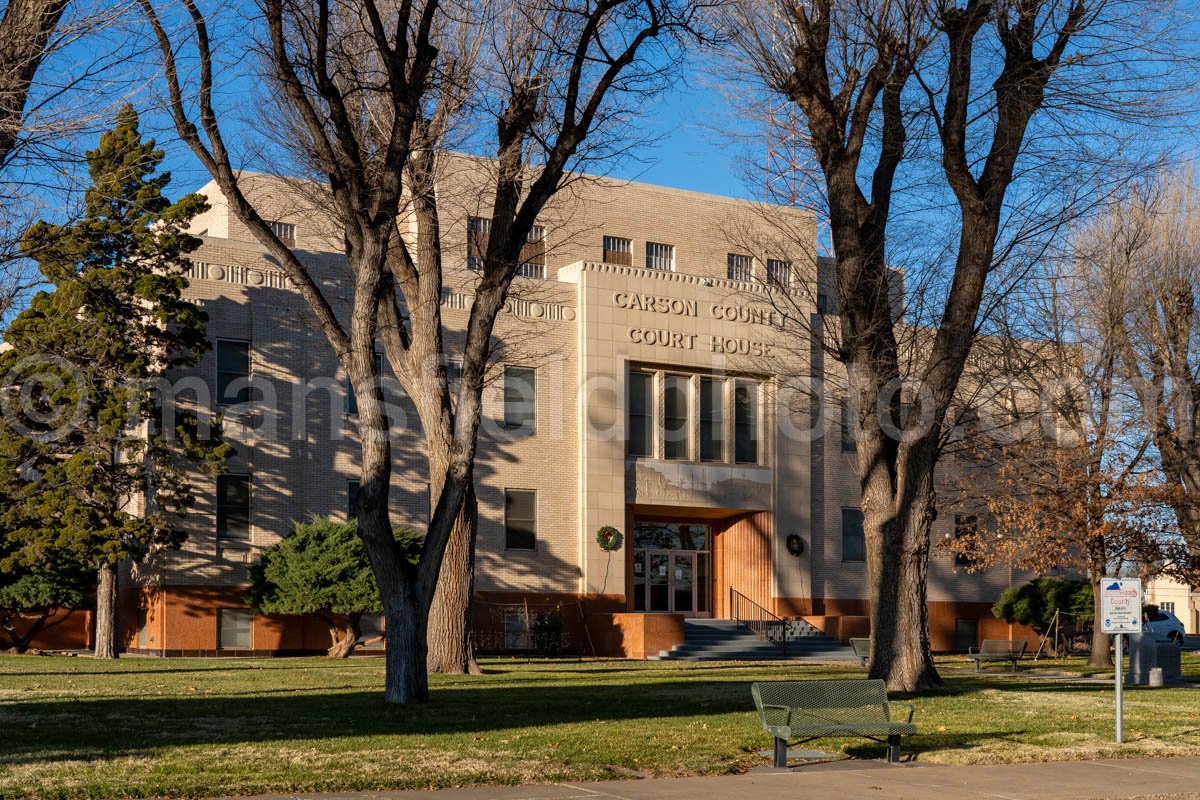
(1120, 613)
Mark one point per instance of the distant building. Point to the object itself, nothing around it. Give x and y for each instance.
(643, 381)
(1178, 598)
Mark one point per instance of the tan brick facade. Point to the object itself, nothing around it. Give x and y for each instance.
(584, 329)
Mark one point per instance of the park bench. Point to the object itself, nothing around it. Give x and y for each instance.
(998, 650)
(862, 649)
(807, 710)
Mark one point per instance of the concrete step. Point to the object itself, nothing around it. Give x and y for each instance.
(726, 640)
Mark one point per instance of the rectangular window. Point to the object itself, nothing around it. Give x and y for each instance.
(1168, 606)
(352, 498)
(849, 426)
(233, 507)
(822, 303)
(966, 634)
(234, 629)
(779, 273)
(233, 372)
(739, 267)
(520, 397)
(660, 256)
(533, 254)
(712, 419)
(453, 377)
(351, 400)
(285, 231)
(854, 544)
(143, 624)
(964, 525)
(641, 414)
(677, 424)
(520, 519)
(516, 630)
(478, 231)
(745, 423)
(618, 251)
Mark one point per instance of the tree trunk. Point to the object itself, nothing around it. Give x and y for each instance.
(106, 612)
(405, 610)
(344, 636)
(1101, 655)
(898, 565)
(450, 645)
(25, 30)
(407, 677)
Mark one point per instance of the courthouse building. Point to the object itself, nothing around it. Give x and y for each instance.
(651, 374)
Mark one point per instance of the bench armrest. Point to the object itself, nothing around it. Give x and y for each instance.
(908, 706)
(786, 709)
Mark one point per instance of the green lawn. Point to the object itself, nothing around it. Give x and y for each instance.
(73, 727)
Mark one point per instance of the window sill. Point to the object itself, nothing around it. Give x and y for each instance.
(726, 464)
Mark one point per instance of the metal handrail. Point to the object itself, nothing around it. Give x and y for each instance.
(746, 612)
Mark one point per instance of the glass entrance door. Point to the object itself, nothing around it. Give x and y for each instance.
(670, 568)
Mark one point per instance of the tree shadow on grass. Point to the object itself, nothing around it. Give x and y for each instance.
(913, 747)
(117, 671)
(39, 729)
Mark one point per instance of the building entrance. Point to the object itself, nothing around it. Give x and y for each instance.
(672, 568)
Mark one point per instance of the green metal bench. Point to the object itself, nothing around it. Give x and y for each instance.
(998, 650)
(807, 710)
(862, 649)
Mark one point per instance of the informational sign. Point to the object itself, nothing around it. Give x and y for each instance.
(1121, 605)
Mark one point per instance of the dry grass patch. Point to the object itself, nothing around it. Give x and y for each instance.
(76, 728)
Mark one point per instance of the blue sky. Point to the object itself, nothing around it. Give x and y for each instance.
(681, 149)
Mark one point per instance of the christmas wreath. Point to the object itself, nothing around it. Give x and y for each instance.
(609, 538)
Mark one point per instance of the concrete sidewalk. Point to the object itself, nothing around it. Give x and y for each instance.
(852, 780)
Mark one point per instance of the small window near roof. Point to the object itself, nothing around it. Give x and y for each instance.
(779, 273)
(739, 267)
(533, 254)
(618, 251)
(479, 229)
(285, 232)
(660, 256)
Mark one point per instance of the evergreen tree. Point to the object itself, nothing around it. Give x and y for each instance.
(30, 596)
(322, 569)
(93, 475)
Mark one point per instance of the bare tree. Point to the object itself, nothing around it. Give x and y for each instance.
(1071, 482)
(978, 76)
(369, 85)
(63, 75)
(1145, 250)
(25, 30)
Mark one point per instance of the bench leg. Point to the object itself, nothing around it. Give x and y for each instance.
(893, 742)
(780, 753)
